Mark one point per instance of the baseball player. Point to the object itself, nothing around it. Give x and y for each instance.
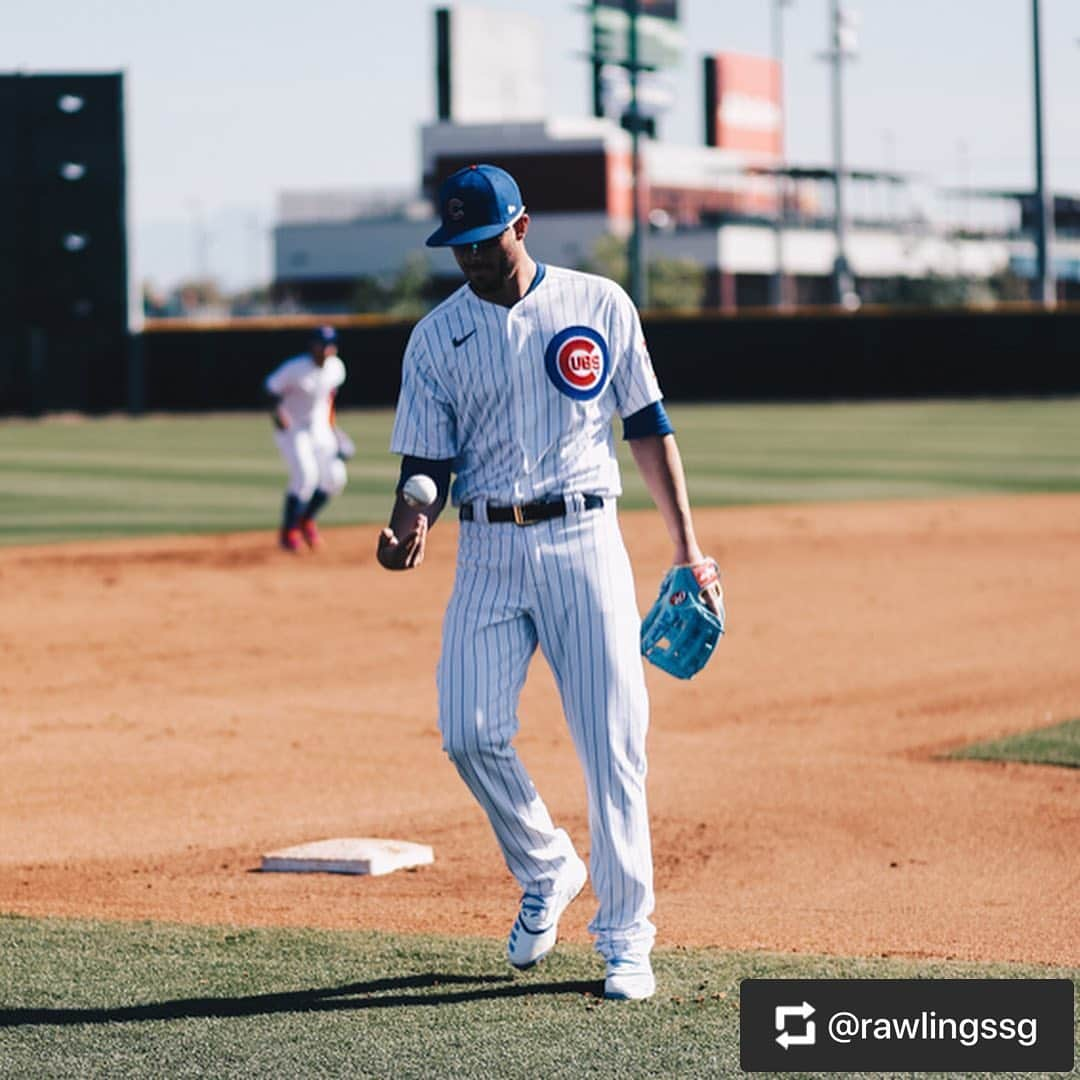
(302, 391)
(511, 385)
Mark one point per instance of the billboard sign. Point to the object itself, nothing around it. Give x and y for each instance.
(657, 9)
(660, 41)
(489, 66)
(743, 110)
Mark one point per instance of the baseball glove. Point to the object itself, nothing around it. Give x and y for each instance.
(346, 448)
(680, 631)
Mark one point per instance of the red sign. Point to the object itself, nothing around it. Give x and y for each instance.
(744, 110)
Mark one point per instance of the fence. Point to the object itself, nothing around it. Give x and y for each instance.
(762, 356)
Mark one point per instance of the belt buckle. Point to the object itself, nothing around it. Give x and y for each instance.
(519, 515)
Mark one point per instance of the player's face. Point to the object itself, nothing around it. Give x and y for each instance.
(489, 264)
(320, 350)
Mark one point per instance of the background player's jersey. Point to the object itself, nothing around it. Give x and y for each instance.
(523, 398)
(306, 389)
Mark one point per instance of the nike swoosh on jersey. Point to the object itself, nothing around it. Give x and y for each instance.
(459, 341)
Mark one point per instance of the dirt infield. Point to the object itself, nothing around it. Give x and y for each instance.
(170, 709)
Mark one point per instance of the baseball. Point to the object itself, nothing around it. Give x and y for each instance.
(419, 490)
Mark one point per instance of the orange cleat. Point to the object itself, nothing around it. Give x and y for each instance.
(310, 532)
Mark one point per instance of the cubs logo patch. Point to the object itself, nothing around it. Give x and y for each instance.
(577, 362)
(678, 598)
(455, 209)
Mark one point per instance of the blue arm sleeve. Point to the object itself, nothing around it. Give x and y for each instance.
(652, 420)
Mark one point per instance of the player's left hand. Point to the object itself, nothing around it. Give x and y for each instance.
(406, 553)
(707, 574)
(346, 448)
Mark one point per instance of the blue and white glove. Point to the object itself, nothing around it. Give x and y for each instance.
(680, 631)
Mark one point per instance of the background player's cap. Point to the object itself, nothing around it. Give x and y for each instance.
(325, 335)
(476, 203)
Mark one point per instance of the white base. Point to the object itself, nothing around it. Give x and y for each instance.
(349, 856)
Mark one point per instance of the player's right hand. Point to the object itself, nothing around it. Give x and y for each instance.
(406, 553)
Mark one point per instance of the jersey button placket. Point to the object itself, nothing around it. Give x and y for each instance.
(517, 335)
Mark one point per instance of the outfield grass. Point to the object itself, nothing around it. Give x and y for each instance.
(1056, 745)
(93, 999)
(67, 479)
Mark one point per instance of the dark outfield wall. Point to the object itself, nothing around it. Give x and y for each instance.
(758, 356)
(717, 358)
(870, 355)
(224, 368)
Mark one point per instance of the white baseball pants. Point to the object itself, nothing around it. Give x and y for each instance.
(311, 456)
(566, 585)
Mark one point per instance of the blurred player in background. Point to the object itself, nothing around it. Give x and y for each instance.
(302, 390)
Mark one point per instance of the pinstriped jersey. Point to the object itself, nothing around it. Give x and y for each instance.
(523, 398)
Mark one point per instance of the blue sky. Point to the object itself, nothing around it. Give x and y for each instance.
(232, 101)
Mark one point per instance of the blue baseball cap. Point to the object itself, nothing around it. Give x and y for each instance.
(476, 203)
(325, 335)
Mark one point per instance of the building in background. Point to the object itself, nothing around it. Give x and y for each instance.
(715, 206)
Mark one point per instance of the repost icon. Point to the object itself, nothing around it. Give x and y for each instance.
(803, 1012)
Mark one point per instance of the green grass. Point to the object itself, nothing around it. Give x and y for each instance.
(66, 479)
(1057, 745)
(94, 999)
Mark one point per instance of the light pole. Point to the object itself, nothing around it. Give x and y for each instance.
(843, 47)
(776, 285)
(889, 139)
(200, 240)
(638, 287)
(1044, 289)
(597, 64)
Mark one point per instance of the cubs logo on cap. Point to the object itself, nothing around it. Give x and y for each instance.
(577, 362)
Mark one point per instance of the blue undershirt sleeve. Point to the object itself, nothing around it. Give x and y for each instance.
(652, 420)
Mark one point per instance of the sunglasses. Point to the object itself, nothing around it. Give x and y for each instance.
(480, 245)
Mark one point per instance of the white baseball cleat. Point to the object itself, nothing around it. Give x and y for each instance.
(536, 928)
(629, 978)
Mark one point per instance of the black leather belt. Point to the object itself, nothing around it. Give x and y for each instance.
(528, 513)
